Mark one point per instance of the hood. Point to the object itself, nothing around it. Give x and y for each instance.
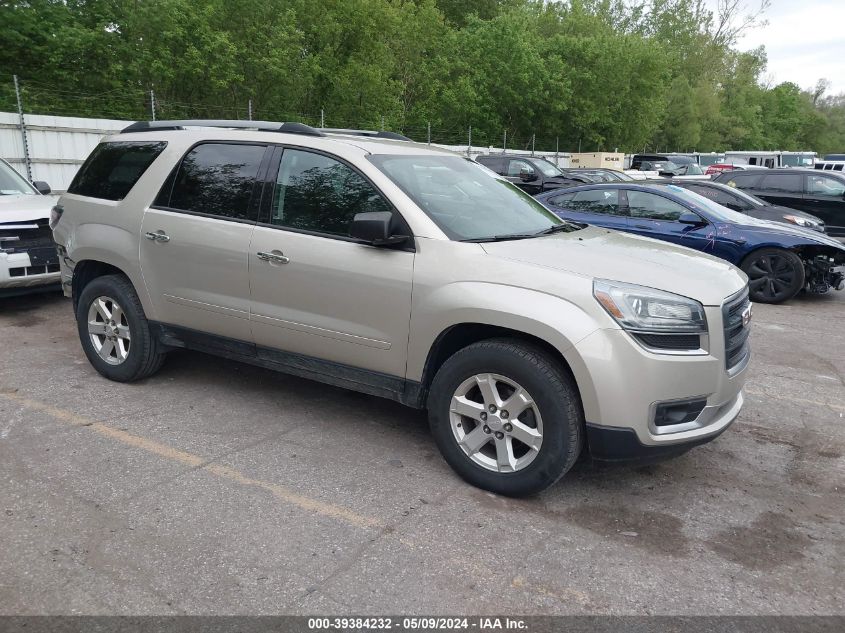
(604, 254)
(788, 211)
(781, 229)
(23, 208)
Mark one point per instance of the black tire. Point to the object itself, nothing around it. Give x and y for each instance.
(145, 355)
(552, 389)
(774, 275)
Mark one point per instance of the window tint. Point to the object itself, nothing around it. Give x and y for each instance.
(317, 193)
(564, 200)
(604, 201)
(217, 179)
(824, 186)
(515, 167)
(784, 183)
(112, 169)
(654, 207)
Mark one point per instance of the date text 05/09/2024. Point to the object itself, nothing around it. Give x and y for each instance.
(480, 623)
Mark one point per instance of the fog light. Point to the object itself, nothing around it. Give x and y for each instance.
(678, 412)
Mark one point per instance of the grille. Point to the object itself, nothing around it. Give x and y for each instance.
(736, 334)
(685, 342)
(26, 238)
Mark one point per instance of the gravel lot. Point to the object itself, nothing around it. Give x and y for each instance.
(216, 488)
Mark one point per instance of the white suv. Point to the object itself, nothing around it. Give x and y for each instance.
(28, 260)
(407, 272)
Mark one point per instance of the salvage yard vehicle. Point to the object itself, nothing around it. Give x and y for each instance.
(407, 272)
(780, 260)
(531, 174)
(743, 202)
(28, 259)
(811, 191)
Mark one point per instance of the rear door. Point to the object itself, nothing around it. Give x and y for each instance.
(315, 291)
(195, 239)
(785, 189)
(825, 198)
(602, 207)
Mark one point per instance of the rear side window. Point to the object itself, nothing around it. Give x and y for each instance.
(784, 183)
(215, 179)
(493, 164)
(743, 181)
(113, 168)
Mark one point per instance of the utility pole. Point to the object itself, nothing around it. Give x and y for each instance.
(322, 118)
(429, 132)
(557, 147)
(532, 143)
(153, 104)
(249, 109)
(579, 145)
(505, 143)
(469, 141)
(26, 160)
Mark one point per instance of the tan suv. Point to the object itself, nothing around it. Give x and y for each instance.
(407, 272)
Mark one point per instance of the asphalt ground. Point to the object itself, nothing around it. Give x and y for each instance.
(220, 488)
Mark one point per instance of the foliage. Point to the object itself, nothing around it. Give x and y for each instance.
(596, 74)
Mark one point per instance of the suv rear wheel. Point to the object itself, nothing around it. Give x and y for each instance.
(506, 417)
(114, 331)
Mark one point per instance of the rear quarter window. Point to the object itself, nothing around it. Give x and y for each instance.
(113, 168)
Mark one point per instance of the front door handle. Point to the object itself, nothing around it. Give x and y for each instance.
(158, 236)
(275, 257)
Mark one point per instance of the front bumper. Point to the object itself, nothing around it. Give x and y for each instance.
(623, 385)
(19, 275)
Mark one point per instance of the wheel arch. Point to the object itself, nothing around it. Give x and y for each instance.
(86, 270)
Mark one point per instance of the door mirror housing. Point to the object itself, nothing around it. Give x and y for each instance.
(42, 187)
(692, 219)
(374, 228)
(526, 175)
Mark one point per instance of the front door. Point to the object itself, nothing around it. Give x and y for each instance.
(825, 198)
(316, 292)
(654, 216)
(195, 240)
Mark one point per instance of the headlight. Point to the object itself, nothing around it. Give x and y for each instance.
(642, 309)
(801, 221)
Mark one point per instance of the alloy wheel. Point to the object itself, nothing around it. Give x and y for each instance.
(496, 423)
(108, 328)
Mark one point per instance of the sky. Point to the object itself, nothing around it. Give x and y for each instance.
(804, 40)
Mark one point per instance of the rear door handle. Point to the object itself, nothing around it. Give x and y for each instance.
(158, 236)
(277, 258)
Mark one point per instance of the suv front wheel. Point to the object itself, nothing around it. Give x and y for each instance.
(506, 416)
(114, 331)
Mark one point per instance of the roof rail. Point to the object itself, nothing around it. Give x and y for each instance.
(263, 126)
(369, 133)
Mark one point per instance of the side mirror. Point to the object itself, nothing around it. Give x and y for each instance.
(374, 227)
(691, 218)
(526, 176)
(42, 187)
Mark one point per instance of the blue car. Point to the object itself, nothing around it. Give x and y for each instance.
(779, 260)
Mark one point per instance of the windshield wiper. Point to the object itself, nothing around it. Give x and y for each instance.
(502, 238)
(557, 228)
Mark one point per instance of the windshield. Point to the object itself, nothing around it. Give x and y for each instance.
(12, 183)
(549, 170)
(745, 197)
(714, 210)
(465, 200)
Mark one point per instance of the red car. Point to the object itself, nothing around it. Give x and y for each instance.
(718, 168)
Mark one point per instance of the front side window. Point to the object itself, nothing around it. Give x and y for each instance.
(113, 168)
(516, 167)
(603, 201)
(782, 183)
(316, 193)
(216, 179)
(648, 205)
(825, 187)
(465, 200)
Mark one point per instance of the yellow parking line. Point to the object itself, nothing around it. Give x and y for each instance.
(763, 394)
(168, 452)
